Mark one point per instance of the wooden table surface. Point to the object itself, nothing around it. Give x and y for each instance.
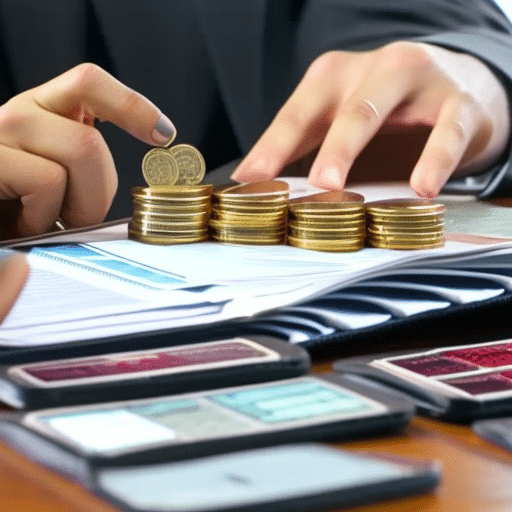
(476, 476)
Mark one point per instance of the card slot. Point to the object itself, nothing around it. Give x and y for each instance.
(470, 274)
(457, 290)
(398, 307)
(408, 302)
(494, 272)
(292, 328)
(355, 314)
(340, 320)
(287, 333)
(301, 321)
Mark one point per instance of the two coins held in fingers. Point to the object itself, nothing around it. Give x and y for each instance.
(174, 208)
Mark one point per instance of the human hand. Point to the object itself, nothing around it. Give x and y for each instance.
(53, 162)
(345, 98)
(14, 272)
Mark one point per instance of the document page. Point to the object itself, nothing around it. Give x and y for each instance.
(97, 283)
(83, 291)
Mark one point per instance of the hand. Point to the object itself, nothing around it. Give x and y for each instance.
(13, 274)
(52, 159)
(345, 98)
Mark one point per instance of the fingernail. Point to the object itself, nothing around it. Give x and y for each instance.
(164, 131)
(257, 170)
(330, 178)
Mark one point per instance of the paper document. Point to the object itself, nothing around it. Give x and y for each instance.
(97, 284)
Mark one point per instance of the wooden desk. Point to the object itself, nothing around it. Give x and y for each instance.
(476, 475)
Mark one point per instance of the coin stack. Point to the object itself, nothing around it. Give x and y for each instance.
(405, 224)
(174, 208)
(329, 221)
(250, 214)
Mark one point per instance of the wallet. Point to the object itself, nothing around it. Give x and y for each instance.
(460, 384)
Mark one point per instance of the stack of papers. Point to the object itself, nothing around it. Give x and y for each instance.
(98, 284)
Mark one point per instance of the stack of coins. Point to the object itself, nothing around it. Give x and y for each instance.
(330, 221)
(174, 208)
(251, 214)
(405, 224)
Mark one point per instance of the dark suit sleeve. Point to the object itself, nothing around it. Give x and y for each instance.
(476, 27)
(495, 49)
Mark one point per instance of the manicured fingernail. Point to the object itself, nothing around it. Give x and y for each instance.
(256, 170)
(164, 131)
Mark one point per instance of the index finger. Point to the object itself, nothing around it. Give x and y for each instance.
(87, 90)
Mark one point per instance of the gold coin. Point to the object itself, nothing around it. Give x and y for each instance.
(259, 189)
(325, 234)
(314, 209)
(156, 228)
(247, 212)
(405, 222)
(171, 217)
(405, 207)
(248, 220)
(165, 240)
(159, 167)
(174, 207)
(340, 197)
(404, 245)
(326, 245)
(328, 220)
(165, 225)
(386, 231)
(251, 202)
(191, 164)
(333, 218)
(338, 224)
(419, 240)
(170, 192)
(229, 238)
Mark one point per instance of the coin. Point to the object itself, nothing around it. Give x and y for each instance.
(404, 246)
(165, 239)
(179, 192)
(250, 214)
(159, 167)
(329, 221)
(326, 245)
(405, 224)
(258, 190)
(405, 206)
(191, 164)
(332, 196)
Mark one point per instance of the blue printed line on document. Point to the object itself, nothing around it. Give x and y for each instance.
(110, 265)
